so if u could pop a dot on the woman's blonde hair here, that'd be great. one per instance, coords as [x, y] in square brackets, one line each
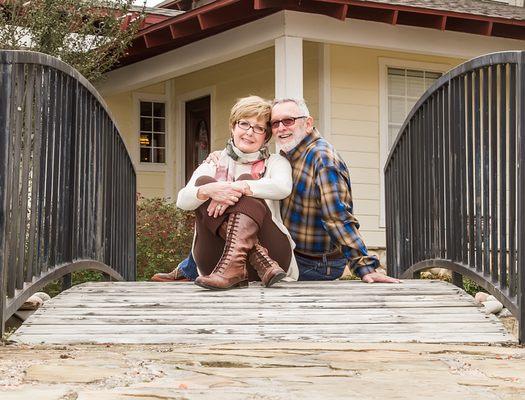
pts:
[252, 106]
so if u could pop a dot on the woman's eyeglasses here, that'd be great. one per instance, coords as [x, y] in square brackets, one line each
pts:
[286, 121]
[245, 126]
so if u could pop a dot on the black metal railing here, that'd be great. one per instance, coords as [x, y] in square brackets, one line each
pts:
[67, 184]
[455, 188]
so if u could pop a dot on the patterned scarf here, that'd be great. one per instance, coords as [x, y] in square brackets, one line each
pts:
[233, 163]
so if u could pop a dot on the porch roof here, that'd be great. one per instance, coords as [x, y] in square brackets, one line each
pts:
[163, 32]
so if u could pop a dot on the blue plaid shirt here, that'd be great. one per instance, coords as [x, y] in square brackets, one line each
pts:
[319, 211]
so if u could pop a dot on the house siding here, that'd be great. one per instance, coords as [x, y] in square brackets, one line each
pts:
[149, 183]
[355, 122]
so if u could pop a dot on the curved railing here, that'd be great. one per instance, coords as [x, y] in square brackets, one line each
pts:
[455, 192]
[67, 184]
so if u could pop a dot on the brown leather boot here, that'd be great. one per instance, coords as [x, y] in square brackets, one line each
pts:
[173, 276]
[230, 271]
[267, 268]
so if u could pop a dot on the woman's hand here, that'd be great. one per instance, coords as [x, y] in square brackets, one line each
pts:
[216, 209]
[222, 192]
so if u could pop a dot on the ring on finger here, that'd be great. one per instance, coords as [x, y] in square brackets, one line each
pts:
[219, 207]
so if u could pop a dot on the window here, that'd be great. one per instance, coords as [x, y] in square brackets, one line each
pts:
[405, 87]
[401, 84]
[152, 137]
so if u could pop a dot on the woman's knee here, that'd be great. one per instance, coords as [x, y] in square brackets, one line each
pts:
[204, 180]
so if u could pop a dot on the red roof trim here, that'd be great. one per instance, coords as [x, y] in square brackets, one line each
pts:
[167, 33]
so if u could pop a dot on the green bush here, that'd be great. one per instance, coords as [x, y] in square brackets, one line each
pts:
[164, 236]
[471, 287]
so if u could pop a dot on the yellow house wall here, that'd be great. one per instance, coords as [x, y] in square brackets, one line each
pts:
[311, 77]
[355, 125]
[122, 108]
[228, 81]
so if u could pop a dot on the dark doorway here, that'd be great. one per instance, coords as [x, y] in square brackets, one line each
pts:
[197, 133]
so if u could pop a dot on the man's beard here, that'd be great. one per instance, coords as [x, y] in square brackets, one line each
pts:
[291, 144]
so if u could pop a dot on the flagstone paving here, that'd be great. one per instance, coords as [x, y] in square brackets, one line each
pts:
[290, 370]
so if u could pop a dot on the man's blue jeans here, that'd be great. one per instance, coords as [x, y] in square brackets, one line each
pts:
[188, 267]
[320, 270]
[309, 270]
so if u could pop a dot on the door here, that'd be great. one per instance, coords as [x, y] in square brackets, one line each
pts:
[197, 133]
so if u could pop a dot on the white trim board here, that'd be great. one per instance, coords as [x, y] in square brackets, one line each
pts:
[384, 64]
[261, 34]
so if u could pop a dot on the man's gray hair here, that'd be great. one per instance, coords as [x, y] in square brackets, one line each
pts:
[299, 102]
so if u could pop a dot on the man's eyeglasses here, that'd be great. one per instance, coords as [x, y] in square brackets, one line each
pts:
[286, 121]
[245, 126]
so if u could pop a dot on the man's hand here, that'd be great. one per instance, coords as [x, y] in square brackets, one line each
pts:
[213, 157]
[244, 186]
[377, 277]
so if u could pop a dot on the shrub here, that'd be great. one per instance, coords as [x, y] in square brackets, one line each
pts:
[164, 236]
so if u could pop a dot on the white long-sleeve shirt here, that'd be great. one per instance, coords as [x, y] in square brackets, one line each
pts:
[274, 186]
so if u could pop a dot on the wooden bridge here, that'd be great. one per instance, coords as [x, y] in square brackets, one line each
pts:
[67, 202]
[343, 311]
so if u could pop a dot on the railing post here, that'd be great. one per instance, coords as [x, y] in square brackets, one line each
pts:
[66, 282]
[457, 279]
[5, 89]
[521, 195]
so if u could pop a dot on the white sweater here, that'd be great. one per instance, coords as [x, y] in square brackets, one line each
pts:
[274, 186]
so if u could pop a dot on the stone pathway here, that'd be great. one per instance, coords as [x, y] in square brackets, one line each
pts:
[291, 370]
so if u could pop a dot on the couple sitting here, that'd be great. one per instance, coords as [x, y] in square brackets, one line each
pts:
[244, 232]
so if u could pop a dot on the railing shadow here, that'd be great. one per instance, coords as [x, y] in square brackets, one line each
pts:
[455, 192]
[67, 184]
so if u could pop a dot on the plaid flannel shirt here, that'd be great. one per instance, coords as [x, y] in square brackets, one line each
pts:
[319, 211]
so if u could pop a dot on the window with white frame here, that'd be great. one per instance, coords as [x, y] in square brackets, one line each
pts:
[152, 134]
[401, 84]
[404, 88]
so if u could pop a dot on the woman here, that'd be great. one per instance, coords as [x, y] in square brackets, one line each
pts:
[239, 233]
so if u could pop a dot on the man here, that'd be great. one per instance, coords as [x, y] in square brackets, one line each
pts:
[319, 212]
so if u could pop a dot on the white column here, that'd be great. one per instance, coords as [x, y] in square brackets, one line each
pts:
[289, 67]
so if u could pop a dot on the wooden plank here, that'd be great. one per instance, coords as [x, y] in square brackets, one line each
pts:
[292, 292]
[347, 284]
[193, 339]
[225, 311]
[137, 299]
[268, 319]
[175, 330]
[255, 305]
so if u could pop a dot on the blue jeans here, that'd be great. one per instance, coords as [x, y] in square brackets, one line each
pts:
[309, 270]
[320, 270]
[188, 267]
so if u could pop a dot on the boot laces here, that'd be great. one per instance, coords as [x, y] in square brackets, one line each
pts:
[231, 232]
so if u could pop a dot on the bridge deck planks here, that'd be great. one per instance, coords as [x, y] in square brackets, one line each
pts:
[345, 311]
